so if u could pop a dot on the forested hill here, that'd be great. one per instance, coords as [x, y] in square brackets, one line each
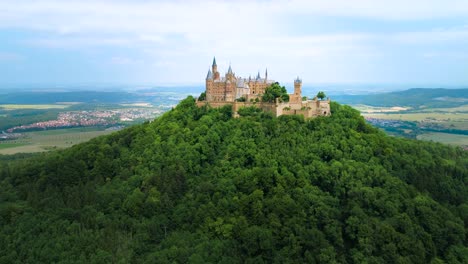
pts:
[197, 186]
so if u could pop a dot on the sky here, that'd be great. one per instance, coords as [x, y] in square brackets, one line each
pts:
[418, 42]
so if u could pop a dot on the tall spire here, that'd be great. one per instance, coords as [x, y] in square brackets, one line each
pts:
[258, 75]
[229, 70]
[214, 61]
[266, 73]
[209, 76]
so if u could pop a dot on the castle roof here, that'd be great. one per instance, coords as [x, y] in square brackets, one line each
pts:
[240, 82]
[214, 61]
[209, 76]
[298, 80]
[229, 70]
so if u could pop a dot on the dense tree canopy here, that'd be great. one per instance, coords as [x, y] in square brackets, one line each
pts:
[197, 186]
[274, 91]
[321, 95]
[202, 96]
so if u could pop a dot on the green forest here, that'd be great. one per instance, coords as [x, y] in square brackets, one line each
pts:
[198, 186]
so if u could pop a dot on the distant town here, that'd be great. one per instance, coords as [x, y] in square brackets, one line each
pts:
[86, 119]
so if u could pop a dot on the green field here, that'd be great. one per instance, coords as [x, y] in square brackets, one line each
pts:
[450, 119]
[10, 145]
[463, 108]
[65, 131]
[33, 106]
[417, 122]
[421, 116]
[50, 140]
[376, 109]
[445, 138]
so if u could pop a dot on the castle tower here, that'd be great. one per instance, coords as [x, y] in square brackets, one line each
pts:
[298, 86]
[230, 74]
[214, 67]
[209, 85]
[266, 74]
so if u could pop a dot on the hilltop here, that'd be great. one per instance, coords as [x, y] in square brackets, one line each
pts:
[197, 186]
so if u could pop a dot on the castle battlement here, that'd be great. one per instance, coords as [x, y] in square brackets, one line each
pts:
[244, 92]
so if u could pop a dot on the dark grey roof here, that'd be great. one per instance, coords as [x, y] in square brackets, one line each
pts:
[214, 61]
[240, 82]
[209, 76]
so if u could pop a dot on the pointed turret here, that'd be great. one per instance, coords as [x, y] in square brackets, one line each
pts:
[230, 69]
[258, 75]
[266, 74]
[209, 76]
[214, 69]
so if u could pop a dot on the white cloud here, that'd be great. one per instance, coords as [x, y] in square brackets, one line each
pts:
[441, 35]
[178, 36]
[204, 17]
[382, 9]
[80, 42]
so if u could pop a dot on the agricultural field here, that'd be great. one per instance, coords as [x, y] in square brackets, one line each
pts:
[446, 138]
[4, 145]
[444, 125]
[376, 109]
[50, 140]
[459, 109]
[452, 120]
[412, 116]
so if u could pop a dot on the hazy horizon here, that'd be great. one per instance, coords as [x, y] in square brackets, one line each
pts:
[195, 88]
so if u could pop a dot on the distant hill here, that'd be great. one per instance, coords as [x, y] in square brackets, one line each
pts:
[75, 96]
[168, 95]
[198, 186]
[417, 97]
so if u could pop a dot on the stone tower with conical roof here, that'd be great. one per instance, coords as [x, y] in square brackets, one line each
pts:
[214, 68]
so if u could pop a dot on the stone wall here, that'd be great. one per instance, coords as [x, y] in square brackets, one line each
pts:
[309, 109]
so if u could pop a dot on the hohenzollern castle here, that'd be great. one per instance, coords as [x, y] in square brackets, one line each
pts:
[244, 92]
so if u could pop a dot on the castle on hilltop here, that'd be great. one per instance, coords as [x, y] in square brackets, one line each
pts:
[244, 92]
